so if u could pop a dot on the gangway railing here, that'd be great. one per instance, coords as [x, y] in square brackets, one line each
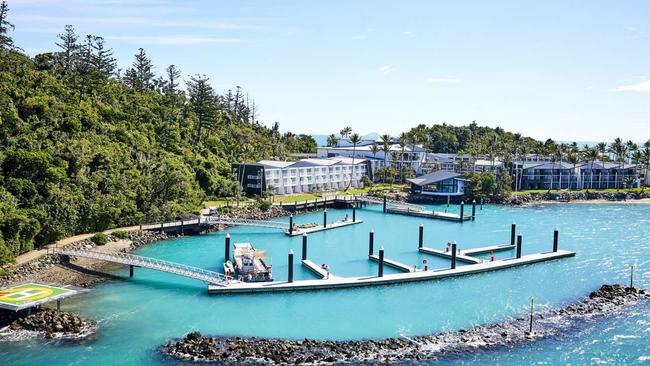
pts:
[389, 202]
[211, 277]
[217, 220]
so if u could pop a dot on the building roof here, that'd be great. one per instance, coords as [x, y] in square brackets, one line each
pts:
[558, 165]
[393, 147]
[599, 165]
[433, 177]
[337, 160]
[277, 164]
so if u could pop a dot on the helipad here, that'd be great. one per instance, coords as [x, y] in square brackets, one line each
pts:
[29, 295]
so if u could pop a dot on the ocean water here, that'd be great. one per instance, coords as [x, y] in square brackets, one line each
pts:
[138, 315]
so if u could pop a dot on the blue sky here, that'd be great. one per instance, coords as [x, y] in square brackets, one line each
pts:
[570, 70]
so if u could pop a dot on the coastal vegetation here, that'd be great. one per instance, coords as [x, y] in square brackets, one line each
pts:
[85, 147]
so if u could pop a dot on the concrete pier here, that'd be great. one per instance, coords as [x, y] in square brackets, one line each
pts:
[447, 216]
[441, 253]
[331, 225]
[394, 264]
[389, 279]
[316, 269]
[485, 250]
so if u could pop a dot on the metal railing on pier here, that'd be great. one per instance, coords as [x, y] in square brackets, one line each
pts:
[211, 277]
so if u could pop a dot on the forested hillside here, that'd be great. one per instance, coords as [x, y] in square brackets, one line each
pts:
[85, 147]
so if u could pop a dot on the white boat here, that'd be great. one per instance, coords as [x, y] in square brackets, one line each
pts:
[250, 265]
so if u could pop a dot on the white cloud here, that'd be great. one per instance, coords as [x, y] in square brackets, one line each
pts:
[642, 87]
[408, 34]
[139, 21]
[443, 81]
[171, 40]
[386, 69]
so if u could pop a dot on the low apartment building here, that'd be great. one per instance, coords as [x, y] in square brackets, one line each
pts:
[306, 175]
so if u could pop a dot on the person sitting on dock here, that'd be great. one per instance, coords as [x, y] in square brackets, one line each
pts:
[448, 247]
[326, 268]
[295, 228]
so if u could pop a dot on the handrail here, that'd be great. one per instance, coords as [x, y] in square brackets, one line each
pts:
[389, 201]
[215, 220]
[205, 275]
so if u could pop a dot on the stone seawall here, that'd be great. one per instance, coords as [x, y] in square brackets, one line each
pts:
[605, 301]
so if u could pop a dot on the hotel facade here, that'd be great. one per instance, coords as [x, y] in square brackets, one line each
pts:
[302, 176]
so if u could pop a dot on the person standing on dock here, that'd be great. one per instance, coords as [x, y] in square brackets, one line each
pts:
[425, 265]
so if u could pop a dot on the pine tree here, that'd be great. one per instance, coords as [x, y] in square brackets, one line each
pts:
[202, 101]
[173, 74]
[103, 59]
[6, 42]
[70, 48]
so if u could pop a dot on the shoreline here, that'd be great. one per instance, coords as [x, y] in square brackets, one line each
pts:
[606, 301]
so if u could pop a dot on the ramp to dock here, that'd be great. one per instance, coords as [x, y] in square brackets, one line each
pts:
[217, 220]
[212, 278]
[316, 269]
[394, 264]
[441, 253]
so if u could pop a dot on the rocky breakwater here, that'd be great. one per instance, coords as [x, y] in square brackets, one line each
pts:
[568, 196]
[142, 238]
[608, 300]
[50, 323]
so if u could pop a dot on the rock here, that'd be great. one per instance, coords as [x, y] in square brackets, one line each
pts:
[236, 350]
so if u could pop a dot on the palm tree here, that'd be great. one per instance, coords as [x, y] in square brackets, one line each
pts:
[374, 149]
[619, 149]
[345, 131]
[590, 155]
[556, 155]
[332, 140]
[354, 139]
[402, 141]
[646, 160]
[385, 148]
[573, 157]
[601, 148]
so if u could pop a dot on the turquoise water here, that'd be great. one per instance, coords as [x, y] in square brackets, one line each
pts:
[137, 315]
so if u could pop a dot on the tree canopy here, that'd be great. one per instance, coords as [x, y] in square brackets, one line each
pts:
[83, 149]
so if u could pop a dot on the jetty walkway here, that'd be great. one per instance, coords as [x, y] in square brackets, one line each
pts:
[132, 260]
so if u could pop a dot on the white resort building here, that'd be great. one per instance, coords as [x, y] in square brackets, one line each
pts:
[306, 175]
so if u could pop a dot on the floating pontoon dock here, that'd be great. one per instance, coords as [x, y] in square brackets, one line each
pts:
[447, 216]
[394, 264]
[331, 225]
[316, 269]
[448, 255]
[343, 282]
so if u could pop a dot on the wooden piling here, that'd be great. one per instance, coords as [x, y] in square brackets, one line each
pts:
[556, 235]
[371, 242]
[227, 248]
[513, 229]
[290, 268]
[354, 212]
[381, 262]
[384, 203]
[130, 270]
[304, 246]
[473, 209]
[421, 236]
[453, 255]
[462, 211]
[519, 240]
[325, 218]
[290, 224]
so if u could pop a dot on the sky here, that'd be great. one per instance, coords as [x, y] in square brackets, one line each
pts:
[568, 70]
